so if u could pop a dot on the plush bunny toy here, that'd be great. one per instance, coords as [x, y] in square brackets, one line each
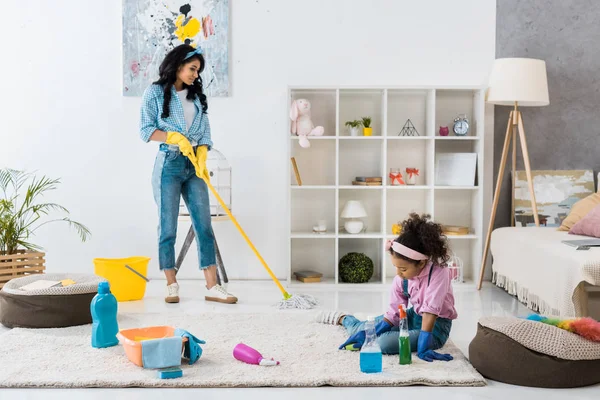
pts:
[301, 123]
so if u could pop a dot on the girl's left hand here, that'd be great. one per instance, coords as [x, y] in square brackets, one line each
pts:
[425, 349]
[357, 340]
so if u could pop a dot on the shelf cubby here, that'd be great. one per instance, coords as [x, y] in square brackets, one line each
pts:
[449, 104]
[372, 202]
[314, 255]
[358, 103]
[322, 107]
[359, 158]
[370, 247]
[400, 203]
[405, 104]
[456, 207]
[312, 206]
[404, 154]
[316, 165]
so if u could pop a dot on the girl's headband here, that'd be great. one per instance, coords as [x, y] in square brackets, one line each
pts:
[405, 251]
[195, 51]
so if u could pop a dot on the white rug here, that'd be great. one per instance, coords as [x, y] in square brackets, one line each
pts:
[307, 351]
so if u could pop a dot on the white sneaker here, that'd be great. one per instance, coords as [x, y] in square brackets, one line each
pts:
[172, 293]
[218, 294]
[329, 317]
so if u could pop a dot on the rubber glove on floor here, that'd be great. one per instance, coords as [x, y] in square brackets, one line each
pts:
[425, 346]
[192, 350]
[356, 341]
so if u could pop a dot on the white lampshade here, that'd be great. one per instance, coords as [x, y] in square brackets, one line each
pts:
[354, 209]
[518, 79]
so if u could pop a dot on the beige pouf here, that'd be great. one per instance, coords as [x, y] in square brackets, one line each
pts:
[531, 353]
[55, 307]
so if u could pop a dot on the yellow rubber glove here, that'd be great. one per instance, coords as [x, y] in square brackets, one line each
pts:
[201, 157]
[184, 145]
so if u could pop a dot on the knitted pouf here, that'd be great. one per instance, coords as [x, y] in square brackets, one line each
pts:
[531, 353]
[55, 307]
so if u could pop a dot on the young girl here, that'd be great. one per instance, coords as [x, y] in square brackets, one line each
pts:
[420, 255]
[173, 112]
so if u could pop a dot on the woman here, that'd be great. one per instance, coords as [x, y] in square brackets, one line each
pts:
[174, 113]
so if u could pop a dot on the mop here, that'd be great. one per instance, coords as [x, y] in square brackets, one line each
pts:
[301, 301]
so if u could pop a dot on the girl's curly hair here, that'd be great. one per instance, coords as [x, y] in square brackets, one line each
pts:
[425, 236]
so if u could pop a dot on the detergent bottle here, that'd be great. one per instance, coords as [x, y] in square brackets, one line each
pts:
[371, 359]
[104, 317]
[404, 350]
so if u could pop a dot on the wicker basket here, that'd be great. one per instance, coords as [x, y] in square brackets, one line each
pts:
[23, 262]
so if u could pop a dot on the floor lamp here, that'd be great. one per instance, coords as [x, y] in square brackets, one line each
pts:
[515, 82]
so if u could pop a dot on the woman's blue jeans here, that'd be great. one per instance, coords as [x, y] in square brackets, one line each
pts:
[388, 341]
[174, 177]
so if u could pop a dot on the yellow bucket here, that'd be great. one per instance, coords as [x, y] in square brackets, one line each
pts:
[125, 284]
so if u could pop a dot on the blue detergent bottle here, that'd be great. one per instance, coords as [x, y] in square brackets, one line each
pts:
[104, 317]
[371, 359]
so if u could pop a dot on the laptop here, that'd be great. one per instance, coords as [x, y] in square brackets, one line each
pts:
[582, 244]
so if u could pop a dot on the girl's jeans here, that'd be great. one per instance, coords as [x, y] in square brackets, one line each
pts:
[174, 177]
[388, 341]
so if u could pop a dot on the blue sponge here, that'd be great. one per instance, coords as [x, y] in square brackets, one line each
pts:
[170, 373]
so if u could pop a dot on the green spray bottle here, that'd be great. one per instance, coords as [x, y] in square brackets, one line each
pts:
[404, 351]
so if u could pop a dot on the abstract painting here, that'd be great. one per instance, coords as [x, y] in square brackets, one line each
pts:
[151, 28]
[555, 194]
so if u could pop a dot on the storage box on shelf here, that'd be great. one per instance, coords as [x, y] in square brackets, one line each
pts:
[329, 167]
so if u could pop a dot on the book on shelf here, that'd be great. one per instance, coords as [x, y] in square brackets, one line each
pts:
[358, 183]
[308, 276]
[455, 230]
[369, 179]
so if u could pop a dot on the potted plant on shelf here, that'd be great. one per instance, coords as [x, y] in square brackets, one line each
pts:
[367, 130]
[354, 125]
[20, 216]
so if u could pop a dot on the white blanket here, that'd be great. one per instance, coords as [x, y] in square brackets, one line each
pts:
[542, 272]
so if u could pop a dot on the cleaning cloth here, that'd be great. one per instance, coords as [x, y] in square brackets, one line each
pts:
[161, 353]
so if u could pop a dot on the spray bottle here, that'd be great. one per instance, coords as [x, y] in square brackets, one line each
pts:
[371, 359]
[404, 351]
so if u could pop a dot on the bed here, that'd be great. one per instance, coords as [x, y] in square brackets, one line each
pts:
[545, 274]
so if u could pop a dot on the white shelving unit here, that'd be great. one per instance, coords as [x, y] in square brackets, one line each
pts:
[329, 166]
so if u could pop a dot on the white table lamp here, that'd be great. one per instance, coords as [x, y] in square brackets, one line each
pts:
[353, 210]
[515, 82]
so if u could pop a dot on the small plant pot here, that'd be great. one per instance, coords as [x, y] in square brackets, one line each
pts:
[353, 131]
[368, 131]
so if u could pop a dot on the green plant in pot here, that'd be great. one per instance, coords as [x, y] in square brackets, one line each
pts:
[367, 130]
[353, 126]
[22, 214]
[355, 268]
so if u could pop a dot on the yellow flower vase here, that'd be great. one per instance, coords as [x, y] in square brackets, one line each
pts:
[368, 131]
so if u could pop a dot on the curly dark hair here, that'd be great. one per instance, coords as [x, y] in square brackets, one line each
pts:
[168, 75]
[425, 236]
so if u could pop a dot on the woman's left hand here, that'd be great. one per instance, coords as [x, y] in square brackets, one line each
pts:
[201, 157]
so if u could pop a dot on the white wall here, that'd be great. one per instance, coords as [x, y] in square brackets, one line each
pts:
[63, 113]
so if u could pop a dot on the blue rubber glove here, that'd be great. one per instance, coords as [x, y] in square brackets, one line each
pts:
[356, 341]
[425, 349]
[192, 350]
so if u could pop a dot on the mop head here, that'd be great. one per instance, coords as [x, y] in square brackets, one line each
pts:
[301, 301]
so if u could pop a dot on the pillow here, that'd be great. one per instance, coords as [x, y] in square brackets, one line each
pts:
[588, 225]
[579, 210]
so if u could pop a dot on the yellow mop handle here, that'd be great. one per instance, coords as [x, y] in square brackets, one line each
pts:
[286, 295]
